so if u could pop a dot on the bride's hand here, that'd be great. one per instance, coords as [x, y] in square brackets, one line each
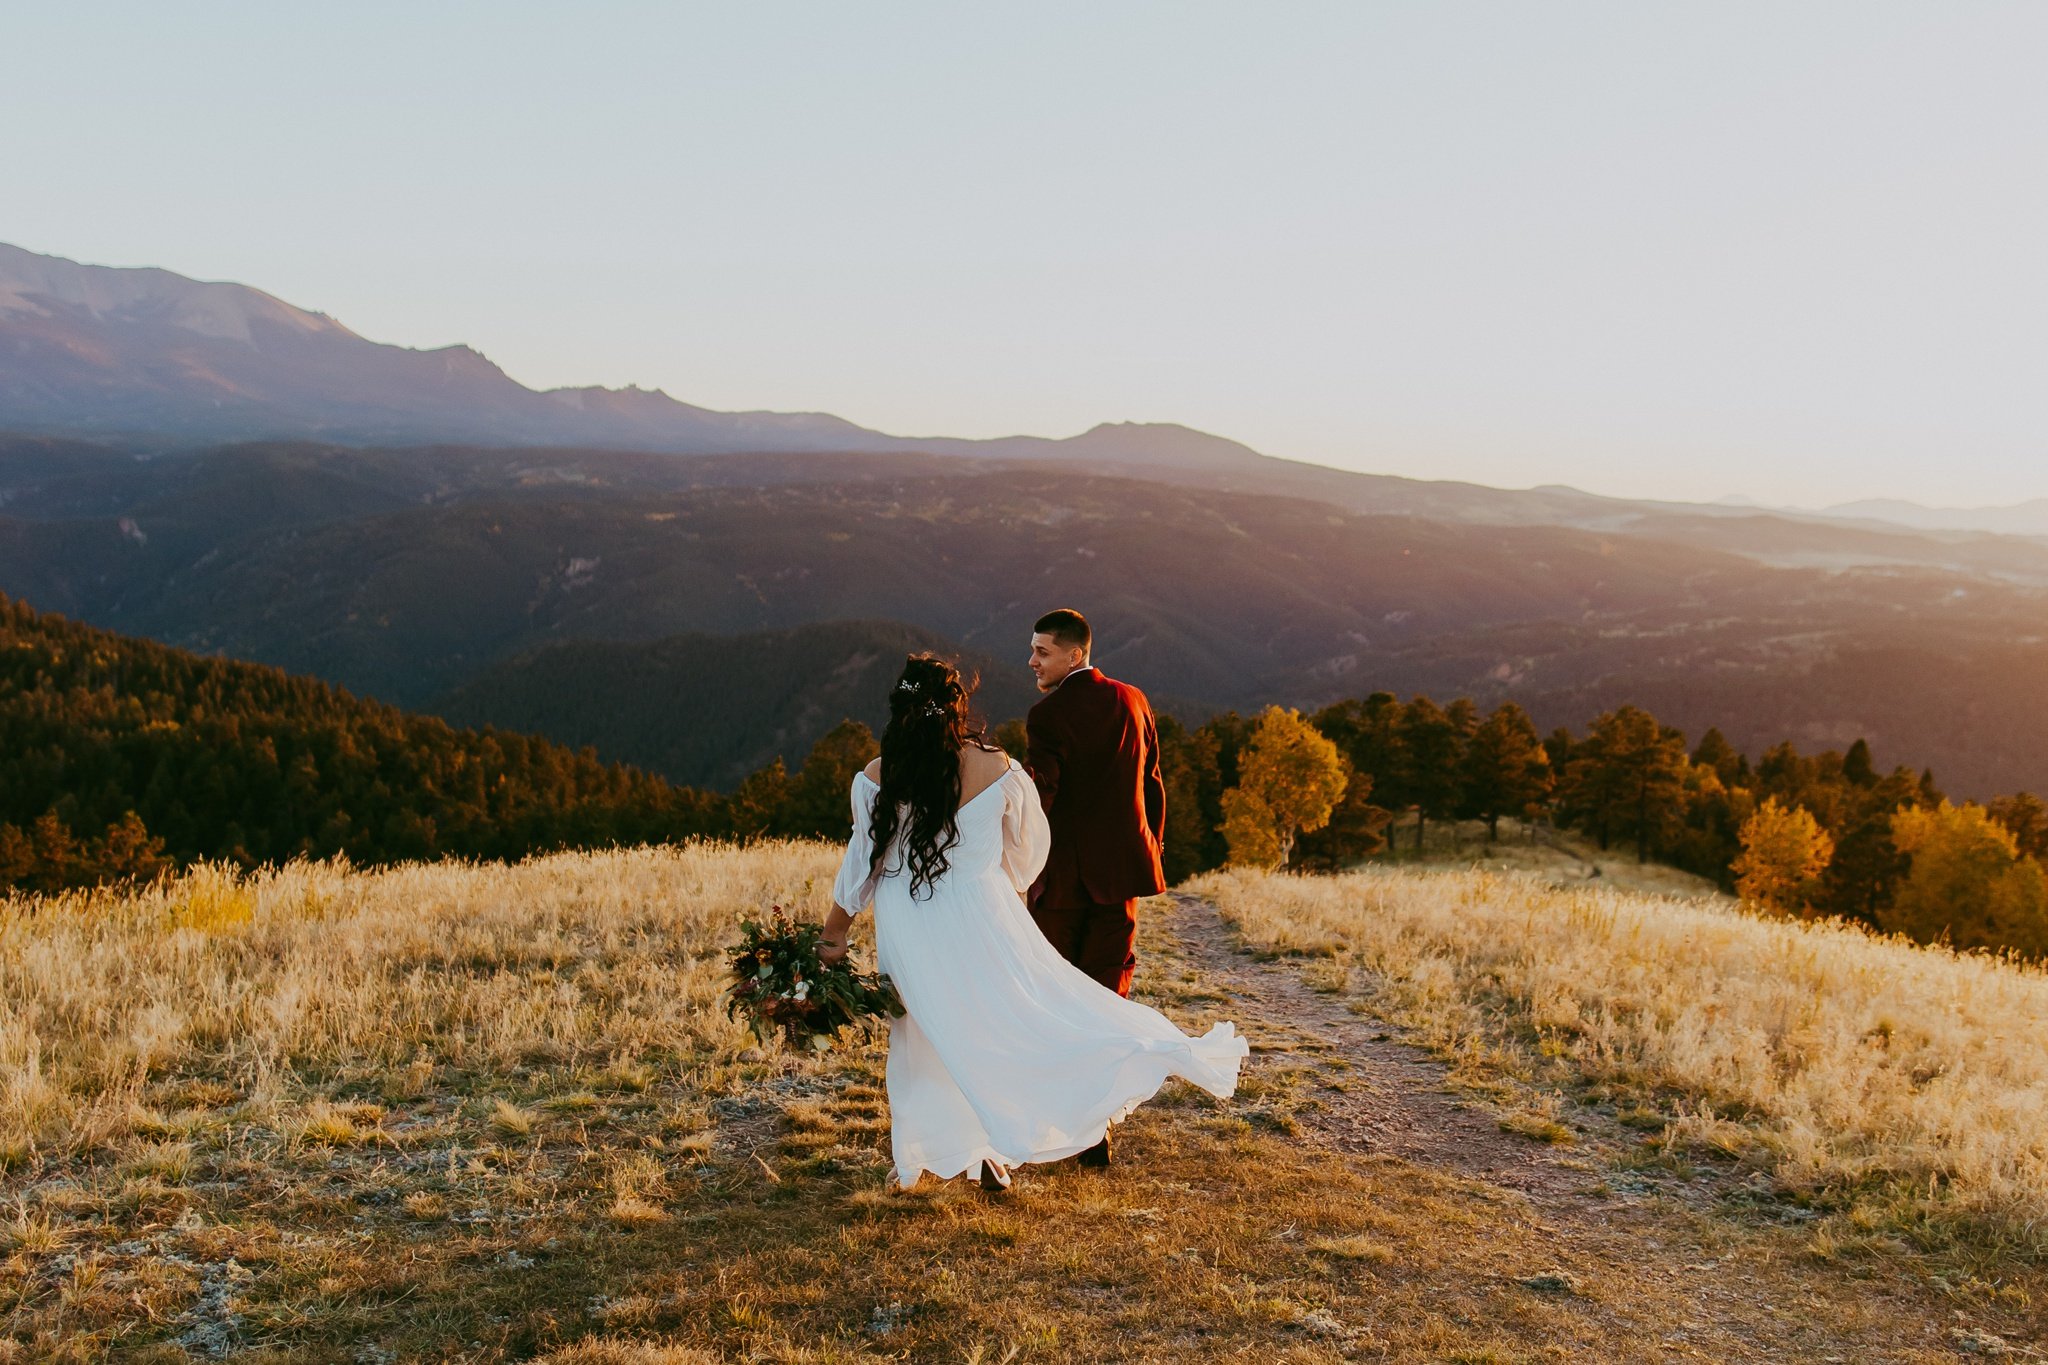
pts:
[834, 936]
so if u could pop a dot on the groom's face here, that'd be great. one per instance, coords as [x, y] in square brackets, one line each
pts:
[1051, 661]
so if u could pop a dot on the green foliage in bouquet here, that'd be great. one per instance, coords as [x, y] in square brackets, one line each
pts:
[782, 987]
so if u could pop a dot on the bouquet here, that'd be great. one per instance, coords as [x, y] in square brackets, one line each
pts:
[780, 984]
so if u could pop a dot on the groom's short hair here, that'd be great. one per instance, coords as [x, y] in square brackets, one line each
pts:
[1066, 626]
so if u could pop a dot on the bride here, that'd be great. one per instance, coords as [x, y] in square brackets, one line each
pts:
[1007, 1052]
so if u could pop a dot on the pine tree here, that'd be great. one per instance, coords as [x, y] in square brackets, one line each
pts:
[1716, 752]
[1868, 866]
[818, 802]
[1194, 792]
[1591, 789]
[760, 808]
[1709, 838]
[1356, 831]
[2026, 819]
[57, 854]
[1856, 765]
[1506, 768]
[17, 857]
[1629, 774]
[128, 851]
[1560, 745]
[1368, 732]
[1233, 734]
[1433, 750]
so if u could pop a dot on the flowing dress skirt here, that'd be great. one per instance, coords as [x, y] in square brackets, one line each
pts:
[1007, 1050]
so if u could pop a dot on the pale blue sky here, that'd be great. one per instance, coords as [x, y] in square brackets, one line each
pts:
[1798, 252]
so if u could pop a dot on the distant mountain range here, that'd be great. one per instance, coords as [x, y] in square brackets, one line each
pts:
[2020, 519]
[419, 527]
[148, 356]
[151, 360]
[2017, 519]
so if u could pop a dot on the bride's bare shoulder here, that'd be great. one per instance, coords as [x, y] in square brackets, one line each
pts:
[980, 766]
[874, 771]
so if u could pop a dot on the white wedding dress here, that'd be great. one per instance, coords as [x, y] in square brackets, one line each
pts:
[1007, 1050]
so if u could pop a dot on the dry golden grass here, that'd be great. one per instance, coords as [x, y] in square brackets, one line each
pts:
[494, 1113]
[1905, 1085]
[242, 987]
[168, 1053]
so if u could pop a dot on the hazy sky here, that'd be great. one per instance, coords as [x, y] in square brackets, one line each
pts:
[1798, 252]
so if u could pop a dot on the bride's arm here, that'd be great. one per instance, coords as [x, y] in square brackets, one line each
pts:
[832, 945]
[853, 887]
[1027, 834]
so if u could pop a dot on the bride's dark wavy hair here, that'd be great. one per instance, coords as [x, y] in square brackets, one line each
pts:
[929, 724]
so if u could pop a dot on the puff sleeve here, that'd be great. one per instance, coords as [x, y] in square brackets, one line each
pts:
[1027, 837]
[854, 887]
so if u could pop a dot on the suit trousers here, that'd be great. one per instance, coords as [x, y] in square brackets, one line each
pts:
[1099, 938]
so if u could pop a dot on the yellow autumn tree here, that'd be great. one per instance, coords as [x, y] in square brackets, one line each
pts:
[1968, 882]
[1290, 777]
[1784, 853]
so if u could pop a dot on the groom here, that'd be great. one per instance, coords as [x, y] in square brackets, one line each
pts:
[1092, 747]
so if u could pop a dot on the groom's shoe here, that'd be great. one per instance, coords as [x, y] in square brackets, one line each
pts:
[1098, 1155]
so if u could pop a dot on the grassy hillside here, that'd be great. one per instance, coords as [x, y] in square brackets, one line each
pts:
[490, 1112]
[1900, 1090]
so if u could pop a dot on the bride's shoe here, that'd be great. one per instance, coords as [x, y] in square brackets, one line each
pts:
[992, 1182]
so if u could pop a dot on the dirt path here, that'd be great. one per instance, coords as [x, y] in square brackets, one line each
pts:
[1700, 1264]
[1397, 1104]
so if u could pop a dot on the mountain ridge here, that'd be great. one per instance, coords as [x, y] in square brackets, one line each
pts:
[154, 360]
[2028, 518]
[137, 353]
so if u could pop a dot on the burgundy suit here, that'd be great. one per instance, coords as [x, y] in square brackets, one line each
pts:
[1092, 747]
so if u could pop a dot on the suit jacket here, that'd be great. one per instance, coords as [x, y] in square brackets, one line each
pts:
[1092, 747]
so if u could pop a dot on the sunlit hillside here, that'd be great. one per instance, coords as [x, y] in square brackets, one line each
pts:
[1904, 1086]
[491, 1112]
